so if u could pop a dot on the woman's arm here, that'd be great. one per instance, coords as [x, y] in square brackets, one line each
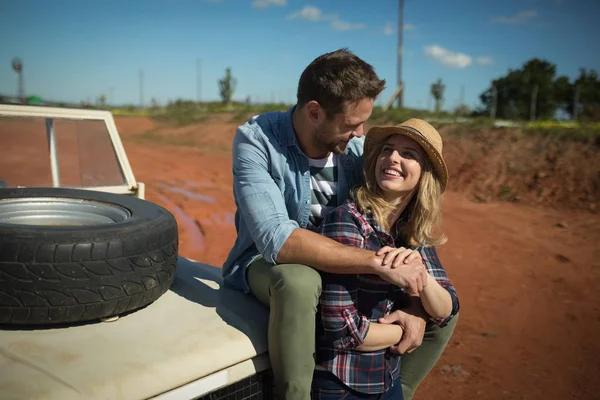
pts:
[381, 336]
[437, 272]
[435, 299]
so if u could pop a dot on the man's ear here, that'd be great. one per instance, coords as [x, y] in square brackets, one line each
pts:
[314, 112]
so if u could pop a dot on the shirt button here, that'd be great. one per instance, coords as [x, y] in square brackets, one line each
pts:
[307, 201]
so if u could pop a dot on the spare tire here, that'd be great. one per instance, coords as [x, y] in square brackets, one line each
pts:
[70, 255]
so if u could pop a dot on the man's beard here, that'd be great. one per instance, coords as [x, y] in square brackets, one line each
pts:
[336, 147]
[339, 147]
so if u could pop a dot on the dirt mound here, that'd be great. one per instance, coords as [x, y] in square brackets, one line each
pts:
[505, 165]
[134, 125]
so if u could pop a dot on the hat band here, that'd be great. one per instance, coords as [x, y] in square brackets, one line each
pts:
[414, 130]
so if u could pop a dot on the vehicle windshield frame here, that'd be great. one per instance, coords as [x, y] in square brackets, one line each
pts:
[130, 185]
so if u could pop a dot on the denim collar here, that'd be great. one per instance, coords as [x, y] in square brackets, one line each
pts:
[287, 136]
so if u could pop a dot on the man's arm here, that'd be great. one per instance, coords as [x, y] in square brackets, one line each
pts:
[327, 255]
[278, 238]
[259, 199]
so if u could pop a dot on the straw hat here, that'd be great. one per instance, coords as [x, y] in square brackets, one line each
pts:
[421, 132]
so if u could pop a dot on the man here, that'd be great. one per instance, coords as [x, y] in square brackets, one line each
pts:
[289, 169]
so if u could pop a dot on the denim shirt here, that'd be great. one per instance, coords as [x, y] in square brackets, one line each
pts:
[271, 189]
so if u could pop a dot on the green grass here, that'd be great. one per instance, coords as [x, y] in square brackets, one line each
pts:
[180, 117]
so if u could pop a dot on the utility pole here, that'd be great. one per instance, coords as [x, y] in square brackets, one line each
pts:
[400, 51]
[534, 94]
[494, 102]
[576, 102]
[462, 95]
[198, 80]
[141, 89]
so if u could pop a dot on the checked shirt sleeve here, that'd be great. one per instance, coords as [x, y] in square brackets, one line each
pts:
[435, 269]
[342, 323]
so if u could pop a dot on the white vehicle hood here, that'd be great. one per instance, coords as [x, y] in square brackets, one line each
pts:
[194, 330]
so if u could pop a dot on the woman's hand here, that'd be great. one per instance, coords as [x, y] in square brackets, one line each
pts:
[394, 257]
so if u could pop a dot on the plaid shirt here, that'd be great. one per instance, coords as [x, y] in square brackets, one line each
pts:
[349, 303]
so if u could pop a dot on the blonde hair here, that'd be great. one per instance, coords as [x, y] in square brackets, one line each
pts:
[423, 212]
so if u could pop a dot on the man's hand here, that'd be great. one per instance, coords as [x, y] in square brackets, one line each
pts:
[414, 330]
[411, 276]
[394, 257]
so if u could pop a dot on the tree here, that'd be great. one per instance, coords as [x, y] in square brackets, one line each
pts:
[437, 91]
[515, 89]
[227, 87]
[462, 110]
[588, 101]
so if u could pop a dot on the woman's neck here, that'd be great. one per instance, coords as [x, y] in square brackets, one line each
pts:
[393, 215]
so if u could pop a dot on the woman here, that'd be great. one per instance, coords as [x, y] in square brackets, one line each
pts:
[397, 206]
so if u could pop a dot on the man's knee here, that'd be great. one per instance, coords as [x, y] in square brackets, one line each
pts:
[296, 282]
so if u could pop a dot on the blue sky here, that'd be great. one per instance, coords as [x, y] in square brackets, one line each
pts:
[76, 50]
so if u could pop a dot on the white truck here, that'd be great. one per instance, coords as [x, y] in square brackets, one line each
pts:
[95, 300]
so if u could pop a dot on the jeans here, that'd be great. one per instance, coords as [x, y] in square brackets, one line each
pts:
[326, 386]
[292, 292]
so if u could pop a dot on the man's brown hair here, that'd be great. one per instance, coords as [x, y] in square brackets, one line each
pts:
[335, 78]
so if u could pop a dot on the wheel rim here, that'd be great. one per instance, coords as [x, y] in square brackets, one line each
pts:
[49, 211]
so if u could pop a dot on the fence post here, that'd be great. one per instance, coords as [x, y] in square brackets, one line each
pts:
[534, 94]
[576, 103]
[494, 102]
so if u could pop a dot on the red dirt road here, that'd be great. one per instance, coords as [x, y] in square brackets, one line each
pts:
[527, 278]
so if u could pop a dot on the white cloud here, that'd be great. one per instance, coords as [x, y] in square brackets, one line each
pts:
[447, 57]
[311, 13]
[388, 29]
[484, 60]
[340, 25]
[268, 3]
[314, 14]
[519, 18]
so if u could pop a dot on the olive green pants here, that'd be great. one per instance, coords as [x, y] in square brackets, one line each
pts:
[292, 292]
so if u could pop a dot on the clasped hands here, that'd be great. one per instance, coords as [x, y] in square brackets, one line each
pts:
[405, 268]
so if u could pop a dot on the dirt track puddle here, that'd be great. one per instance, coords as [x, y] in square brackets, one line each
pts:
[195, 234]
[223, 219]
[187, 193]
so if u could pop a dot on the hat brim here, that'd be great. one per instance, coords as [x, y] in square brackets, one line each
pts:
[379, 134]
